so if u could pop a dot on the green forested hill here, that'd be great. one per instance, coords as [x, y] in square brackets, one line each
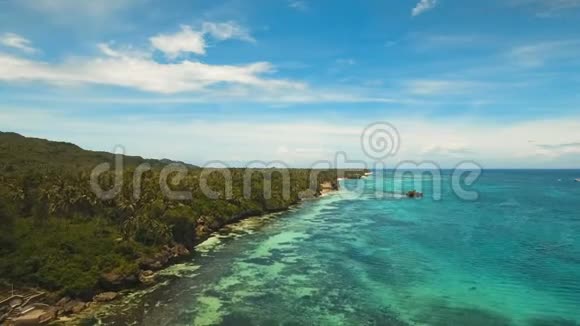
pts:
[24, 153]
[56, 234]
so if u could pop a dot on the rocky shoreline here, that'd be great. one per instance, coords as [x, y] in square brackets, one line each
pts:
[35, 307]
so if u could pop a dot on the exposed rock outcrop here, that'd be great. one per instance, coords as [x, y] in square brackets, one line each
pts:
[72, 307]
[414, 194]
[105, 296]
[34, 315]
[327, 187]
[115, 282]
[307, 194]
[147, 277]
[163, 258]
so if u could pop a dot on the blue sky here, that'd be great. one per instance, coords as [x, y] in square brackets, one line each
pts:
[496, 82]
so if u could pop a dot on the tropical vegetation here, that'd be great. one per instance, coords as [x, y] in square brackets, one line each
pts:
[57, 234]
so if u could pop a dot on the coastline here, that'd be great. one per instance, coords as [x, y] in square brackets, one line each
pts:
[230, 231]
[308, 234]
[47, 307]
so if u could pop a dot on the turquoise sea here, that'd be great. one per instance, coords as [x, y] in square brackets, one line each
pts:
[511, 257]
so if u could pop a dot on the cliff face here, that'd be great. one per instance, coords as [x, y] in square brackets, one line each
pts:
[328, 186]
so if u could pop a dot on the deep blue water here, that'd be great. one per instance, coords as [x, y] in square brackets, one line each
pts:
[511, 257]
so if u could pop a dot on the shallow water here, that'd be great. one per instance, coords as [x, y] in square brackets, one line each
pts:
[512, 257]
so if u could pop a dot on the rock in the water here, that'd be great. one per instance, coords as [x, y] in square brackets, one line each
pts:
[414, 194]
[73, 307]
[327, 187]
[105, 296]
[163, 258]
[147, 277]
[180, 250]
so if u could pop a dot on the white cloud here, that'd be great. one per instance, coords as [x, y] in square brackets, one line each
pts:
[227, 30]
[298, 5]
[547, 8]
[450, 149]
[138, 70]
[134, 68]
[185, 41]
[127, 52]
[282, 150]
[143, 73]
[18, 42]
[423, 6]
[537, 54]
[562, 146]
[440, 87]
[447, 143]
[558, 150]
[279, 97]
[188, 40]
